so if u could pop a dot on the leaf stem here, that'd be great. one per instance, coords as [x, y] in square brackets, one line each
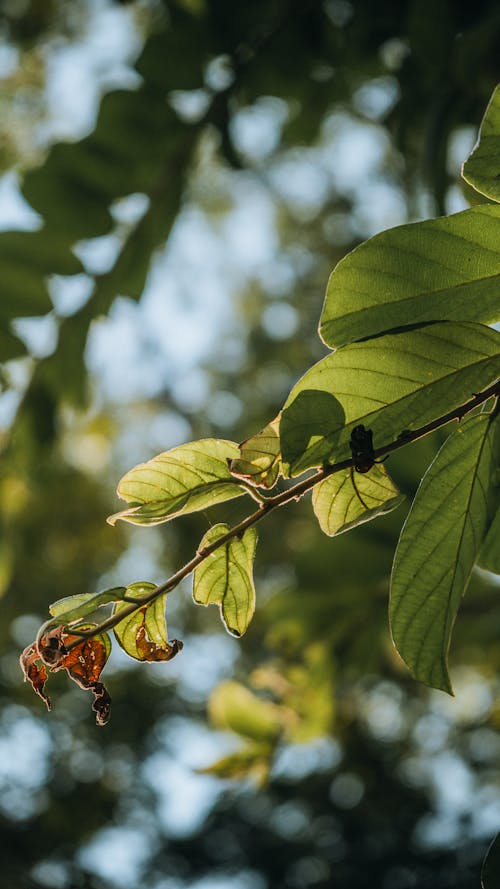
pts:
[295, 492]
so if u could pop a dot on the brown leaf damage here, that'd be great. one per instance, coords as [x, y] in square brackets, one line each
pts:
[83, 662]
[35, 672]
[151, 651]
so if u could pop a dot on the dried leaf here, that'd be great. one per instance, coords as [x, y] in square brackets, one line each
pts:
[84, 665]
[151, 651]
[83, 662]
[35, 672]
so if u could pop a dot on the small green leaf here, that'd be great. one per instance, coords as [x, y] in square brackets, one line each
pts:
[490, 871]
[482, 167]
[345, 499]
[143, 634]
[253, 762]
[389, 384]
[438, 546]
[73, 608]
[225, 577]
[260, 457]
[234, 707]
[186, 479]
[440, 269]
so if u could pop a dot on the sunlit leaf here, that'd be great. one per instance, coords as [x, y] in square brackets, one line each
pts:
[347, 499]
[390, 384]
[225, 577]
[234, 707]
[260, 457]
[490, 871]
[73, 608]
[438, 546]
[440, 269]
[482, 167]
[186, 479]
[143, 634]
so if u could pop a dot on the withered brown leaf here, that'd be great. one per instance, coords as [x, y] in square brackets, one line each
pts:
[83, 663]
[35, 672]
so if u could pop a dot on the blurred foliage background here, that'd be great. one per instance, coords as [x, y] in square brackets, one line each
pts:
[179, 177]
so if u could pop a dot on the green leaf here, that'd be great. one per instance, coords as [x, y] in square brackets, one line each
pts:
[143, 634]
[260, 457]
[438, 546]
[490, 871]
[234, 707]
[67, 204]
[186, 479]
[42, 250]
[26, 260]
[347, 499]
[440, 269]
[73, 608]
[482, 167]
[489, 557]
[253, 762]
[10, 346]
[173, 59]
[24, 291]
[225, 578]
[390, 384]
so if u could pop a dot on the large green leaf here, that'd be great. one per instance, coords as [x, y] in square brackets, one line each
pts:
[440, 269]
[391, 383]
[482, 167]
[225, 578]
[438, 547]
[186, 479]
[348, 498]
[259, 461]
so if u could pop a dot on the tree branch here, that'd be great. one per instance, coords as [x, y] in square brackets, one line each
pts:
[295, 492]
